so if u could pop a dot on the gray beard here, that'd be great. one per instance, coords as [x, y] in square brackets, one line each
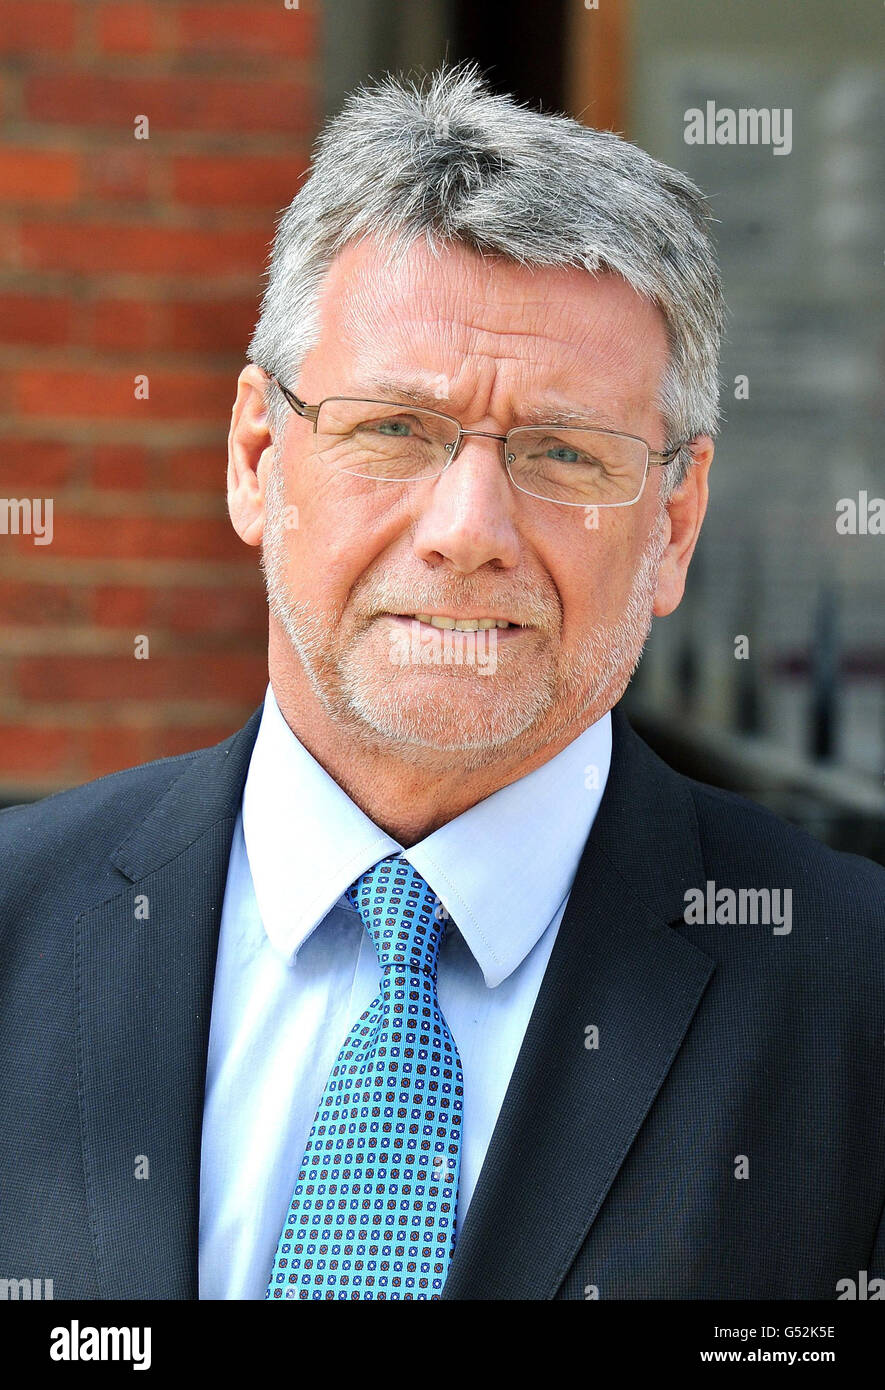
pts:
[592, 679]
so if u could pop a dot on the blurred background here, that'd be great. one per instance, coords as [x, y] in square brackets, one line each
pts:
[148, 147]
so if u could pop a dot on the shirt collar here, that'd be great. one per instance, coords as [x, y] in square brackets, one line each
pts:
[501, 869]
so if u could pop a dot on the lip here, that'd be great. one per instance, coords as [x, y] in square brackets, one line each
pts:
[499, 617]
[501, 633]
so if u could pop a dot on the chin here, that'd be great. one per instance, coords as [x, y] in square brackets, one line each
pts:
[456, 713]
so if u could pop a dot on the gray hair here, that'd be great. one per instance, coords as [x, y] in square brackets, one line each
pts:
[451, 161]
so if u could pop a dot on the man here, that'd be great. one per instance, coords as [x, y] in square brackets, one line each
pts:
[396, 993]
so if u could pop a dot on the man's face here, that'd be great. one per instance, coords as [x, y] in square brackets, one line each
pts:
[349, 559]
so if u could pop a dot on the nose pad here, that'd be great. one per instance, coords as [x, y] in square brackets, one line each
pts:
[455, 448]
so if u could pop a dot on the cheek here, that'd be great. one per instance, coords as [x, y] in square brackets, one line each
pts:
[334, 531]
[594, 573]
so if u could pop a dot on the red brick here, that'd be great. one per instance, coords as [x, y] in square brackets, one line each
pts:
[38, 25]
[109, 247]
[192, 469]
[123, 175]
[133, 28]
[131, 607]
[237, 180]
[189, 102]
[213, 613]
[110, 395]
[109, 748]
[239, 29]
[229, 676]
[10, 244]
[171, 741]
[39, 605]
[119, 466]
[23, 545]
[45, 463]
[35, 750]
[38, 176]
[216, 325]
[100, 204]
[37, 319]
[123, 324]
[81, 535]
[240, 611]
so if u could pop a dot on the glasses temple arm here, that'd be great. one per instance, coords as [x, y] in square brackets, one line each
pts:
[669, 457]
[309, 412]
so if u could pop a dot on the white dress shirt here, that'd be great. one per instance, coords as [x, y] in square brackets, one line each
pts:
[296, 967]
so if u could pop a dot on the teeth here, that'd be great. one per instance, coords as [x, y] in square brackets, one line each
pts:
[461, 624]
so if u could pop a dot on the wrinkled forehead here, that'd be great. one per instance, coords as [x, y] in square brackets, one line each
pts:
[367, 282]
[457, 311]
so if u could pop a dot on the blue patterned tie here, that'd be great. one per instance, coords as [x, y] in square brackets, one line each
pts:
[374, 1208]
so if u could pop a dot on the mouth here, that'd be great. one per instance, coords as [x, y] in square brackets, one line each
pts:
[451, 622]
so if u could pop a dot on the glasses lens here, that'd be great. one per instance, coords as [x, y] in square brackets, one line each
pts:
[380, 440]
[581, 467]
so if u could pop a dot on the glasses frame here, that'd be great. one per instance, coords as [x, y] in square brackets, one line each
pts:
[652, 456]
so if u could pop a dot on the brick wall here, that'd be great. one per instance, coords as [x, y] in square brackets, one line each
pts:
[123, 258]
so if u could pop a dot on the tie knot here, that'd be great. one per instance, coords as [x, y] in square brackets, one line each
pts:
[401, 913]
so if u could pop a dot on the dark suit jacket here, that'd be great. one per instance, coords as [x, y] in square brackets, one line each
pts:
[721, 1049]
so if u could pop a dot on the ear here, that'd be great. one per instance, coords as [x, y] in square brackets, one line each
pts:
[685, 509]
[249, 453]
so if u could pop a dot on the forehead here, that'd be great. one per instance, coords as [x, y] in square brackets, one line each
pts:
[470, 318]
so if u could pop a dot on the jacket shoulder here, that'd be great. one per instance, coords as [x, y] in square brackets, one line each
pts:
[63, 840]
[759, 848]
[84, 846]
[114, 798]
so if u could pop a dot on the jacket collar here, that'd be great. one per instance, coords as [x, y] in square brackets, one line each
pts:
[208, 789]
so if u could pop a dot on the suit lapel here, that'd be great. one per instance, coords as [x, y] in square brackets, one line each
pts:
[571, 1113]
[145, 974]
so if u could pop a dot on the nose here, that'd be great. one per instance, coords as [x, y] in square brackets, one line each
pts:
[468, 513]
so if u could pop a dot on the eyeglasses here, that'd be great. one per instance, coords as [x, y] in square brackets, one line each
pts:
[574, 466]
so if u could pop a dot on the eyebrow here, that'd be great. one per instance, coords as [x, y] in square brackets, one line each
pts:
[396, 391]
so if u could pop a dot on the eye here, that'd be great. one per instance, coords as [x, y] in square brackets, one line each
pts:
[394, 427]
[558, 451]
[564, 453]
